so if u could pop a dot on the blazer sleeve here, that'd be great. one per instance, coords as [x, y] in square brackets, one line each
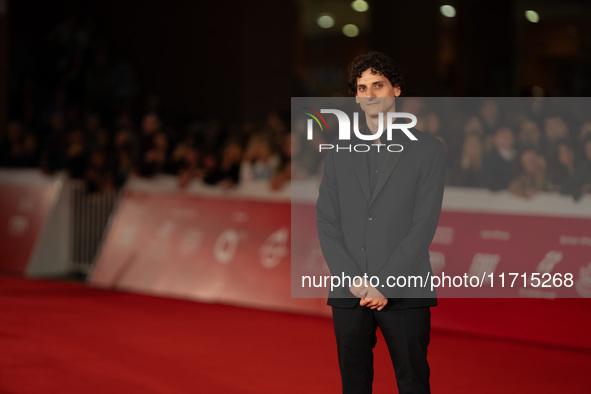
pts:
[415, 246]
[328, 224]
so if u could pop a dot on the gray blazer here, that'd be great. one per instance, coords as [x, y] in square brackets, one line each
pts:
[387, 232]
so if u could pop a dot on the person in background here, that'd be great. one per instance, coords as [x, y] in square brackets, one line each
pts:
[18, 148]
[429, 123]
[189, 165]
[532, 177]
[555, 130]
[529, 135]
[561, 169]
[489, 114]
[282, 174]
[582, 176]
[30, 153]
[149, 127]
[275, 129]
[97, 136]
[155, 160]
[585, 131]
[306, 162]
[473, 126]
[498, 166]
[55, 143]
[468, 171]
[259, 162]
[227, 172]
[124, 150]
[76, 154]
[98, 177]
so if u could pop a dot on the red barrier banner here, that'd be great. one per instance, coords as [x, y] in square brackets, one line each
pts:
[239, 250]
[25, 201]
[476, 255]
[519, 256]
[208, 248]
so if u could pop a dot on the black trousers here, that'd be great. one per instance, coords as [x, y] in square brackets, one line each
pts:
[407, 335]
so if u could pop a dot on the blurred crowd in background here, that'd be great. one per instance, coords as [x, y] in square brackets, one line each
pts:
[78, 107]
[524, 145]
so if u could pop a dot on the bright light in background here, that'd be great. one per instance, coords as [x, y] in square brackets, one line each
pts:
[350, 30]
[532, 16]
[447, 11]
[325, 21]
[360, 5]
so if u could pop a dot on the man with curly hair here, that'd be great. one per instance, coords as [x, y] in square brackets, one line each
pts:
[377, 212]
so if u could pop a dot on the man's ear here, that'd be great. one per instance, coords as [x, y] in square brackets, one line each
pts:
[397, 90]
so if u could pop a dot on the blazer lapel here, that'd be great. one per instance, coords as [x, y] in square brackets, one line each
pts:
[389, 164]
[362, 170]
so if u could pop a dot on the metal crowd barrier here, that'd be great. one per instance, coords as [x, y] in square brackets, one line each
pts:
[90, 213]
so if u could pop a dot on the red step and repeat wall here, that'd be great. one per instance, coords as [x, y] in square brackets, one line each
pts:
[234, 247]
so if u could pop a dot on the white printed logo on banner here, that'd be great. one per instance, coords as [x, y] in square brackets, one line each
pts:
[437, 262]
[166, 229]
[314, 261]
[443, 235]
[583, 285]
[240, 217]
[547, 264]
[225, 246]
[18, 225]
[495, 234]
[274, 248]
[190, 242]
[568, 240]
[185, 213]
[484, 264]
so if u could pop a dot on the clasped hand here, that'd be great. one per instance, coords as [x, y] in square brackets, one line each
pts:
[370, 296]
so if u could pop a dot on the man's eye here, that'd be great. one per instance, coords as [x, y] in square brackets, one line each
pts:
[378, 85]
[361, 88]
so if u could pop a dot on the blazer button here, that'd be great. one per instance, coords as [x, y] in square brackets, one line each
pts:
[370, 218]
[362, 247]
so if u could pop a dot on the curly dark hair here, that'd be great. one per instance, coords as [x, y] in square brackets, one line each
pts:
[379, 63]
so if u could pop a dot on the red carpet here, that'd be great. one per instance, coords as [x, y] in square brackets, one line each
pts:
[60, 337]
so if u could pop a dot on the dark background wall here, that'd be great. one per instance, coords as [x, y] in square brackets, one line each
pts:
[214, 59]
[209, 58]
[238, 60]
[3, 60]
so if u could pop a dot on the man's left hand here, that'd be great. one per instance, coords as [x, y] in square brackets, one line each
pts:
[374, 299]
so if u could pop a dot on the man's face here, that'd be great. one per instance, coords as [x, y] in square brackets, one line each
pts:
[375, 93]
